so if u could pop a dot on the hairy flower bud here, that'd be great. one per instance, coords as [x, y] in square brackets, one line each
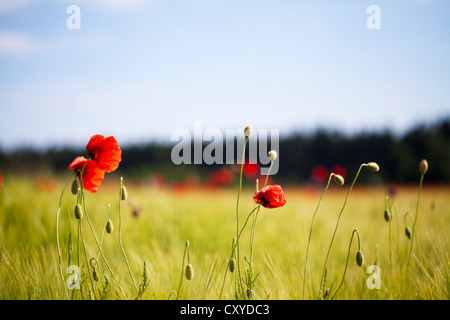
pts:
[248, 131]
[359, 258]
[124, 193]
[387, 215]
[338, 179]
[372, 166]
[272, 155]
[109, 226]
[423, 166]
[78, 212]
[408, 232]
[189, 272]
[232, 265]
[75, 186]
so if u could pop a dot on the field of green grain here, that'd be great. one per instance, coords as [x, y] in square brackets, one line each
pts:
[156, 223]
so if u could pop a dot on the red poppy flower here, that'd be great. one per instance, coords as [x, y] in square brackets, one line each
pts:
[92, 174]
[105, 151]
[1, 178]
[270, 197]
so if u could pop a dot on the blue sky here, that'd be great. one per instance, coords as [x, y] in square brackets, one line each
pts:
[139, 70]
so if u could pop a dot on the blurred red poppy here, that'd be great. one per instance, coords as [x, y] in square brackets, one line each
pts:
[92, 174]
[1, 178]
[105, 151]
[270, 197]
[339, 170]
[221, 177]
[319, 174]
[250, 170]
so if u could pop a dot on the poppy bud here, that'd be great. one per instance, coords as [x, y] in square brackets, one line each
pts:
[95, 276]
[248, 131]
[232, 265]
[372, 166]
[189, 272]
[359, 258]
[338, 179]
[408, 232]
[326, 292]
[78, 212]
[124, 193]
[75, 186]
[387, 215]
[423, 166]
[109, 226]
[272, 155]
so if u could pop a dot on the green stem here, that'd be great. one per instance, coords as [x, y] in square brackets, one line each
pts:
[87, 261]
[389, 208]
[348, 255]
[237, 217]
[186, 248]
[120, 235]
[57, 236]
[310, 232]
[252, 237]
[95, 238]
[415, 219]
[78, 256]
[336, 227]
[235, 249]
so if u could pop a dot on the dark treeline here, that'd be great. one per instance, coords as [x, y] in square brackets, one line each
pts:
[398, 156]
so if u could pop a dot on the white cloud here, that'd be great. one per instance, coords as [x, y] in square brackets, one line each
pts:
[15, 43]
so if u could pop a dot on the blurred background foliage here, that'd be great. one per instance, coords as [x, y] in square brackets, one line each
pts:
[304, 158]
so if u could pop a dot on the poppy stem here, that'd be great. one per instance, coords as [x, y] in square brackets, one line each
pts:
[336, 227]
[93, 233]
[237, 217]
[186, 248]
[57, 235]
[234, 248]
[310, 232]
[415, 219]
[87, 261]
[268, 173]
[348, 255]
[252, 237]
[101, 241]
[120, 234]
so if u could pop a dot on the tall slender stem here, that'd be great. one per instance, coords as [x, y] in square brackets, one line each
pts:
[186, 248]
[235, 248]
[87, 261]
[337, 224]
[120, 234]
[415, 219]
[93, 233]
[57, 236]
[237, 217]
[310, 232]
[348, 255]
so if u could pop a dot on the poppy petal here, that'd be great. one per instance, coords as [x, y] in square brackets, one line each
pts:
[92, 174]
[271, 196]
[105, 151]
